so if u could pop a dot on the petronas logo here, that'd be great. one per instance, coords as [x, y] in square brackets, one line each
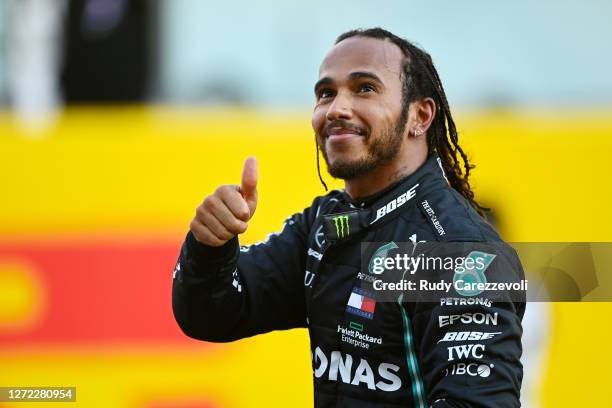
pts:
[342, 226]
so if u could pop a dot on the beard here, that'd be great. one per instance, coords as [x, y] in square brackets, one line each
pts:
[380, 150]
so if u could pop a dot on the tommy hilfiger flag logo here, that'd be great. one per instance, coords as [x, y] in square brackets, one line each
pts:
[361, 303]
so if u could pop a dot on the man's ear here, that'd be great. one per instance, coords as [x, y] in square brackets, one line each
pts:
[421, 114]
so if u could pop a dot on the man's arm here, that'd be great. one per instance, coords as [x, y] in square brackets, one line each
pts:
[470, 354]
[222, 293]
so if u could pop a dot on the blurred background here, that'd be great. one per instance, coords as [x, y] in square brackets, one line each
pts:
[117, 117]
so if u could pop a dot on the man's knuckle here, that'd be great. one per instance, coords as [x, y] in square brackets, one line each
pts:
[201, 210]
[207, 237]
[222, 190]
[239, 226]
[216, 241]
[212, 204]
[244, 213]
[205, 204]
[233, 224]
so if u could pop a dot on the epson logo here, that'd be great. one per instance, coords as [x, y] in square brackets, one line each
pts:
[467, 336]
[395, 203]
[467, 318]
[466, 351]
[340, 364]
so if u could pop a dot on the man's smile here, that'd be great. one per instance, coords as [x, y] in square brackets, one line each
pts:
[340, 134]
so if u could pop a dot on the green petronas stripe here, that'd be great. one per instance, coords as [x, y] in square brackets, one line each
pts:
[413, 365]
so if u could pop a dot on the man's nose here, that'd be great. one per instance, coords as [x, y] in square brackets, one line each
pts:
[340, 108]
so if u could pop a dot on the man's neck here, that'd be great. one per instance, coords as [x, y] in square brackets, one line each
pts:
[383, 176]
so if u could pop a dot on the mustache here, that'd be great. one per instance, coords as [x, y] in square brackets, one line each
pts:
[345, 125]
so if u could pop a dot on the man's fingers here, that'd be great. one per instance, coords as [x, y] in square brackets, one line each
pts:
[215, 226]
[231, 197]
[215, 211]
[204, 235]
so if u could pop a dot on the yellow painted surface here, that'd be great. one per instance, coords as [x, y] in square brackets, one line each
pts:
[21, 298]
[269, 370]
[125, 172]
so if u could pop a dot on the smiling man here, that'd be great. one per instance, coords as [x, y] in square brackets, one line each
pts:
[360, 120]
[383, 125]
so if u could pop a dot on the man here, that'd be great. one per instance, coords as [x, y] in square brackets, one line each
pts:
[383, 125]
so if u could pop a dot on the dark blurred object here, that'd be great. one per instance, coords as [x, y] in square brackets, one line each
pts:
[108, 50]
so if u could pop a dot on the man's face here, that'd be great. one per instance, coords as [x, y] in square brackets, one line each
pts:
[358, 118]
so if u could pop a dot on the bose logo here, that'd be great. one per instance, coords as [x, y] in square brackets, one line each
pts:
[395, 203]
[467, 335]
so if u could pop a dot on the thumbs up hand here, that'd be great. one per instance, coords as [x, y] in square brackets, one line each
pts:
[225, 213]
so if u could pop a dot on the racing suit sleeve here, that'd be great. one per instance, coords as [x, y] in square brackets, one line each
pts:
[470, 345]
[226, 293]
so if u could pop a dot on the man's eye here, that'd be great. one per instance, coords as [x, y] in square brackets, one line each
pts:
[325, 93]
[366, 88]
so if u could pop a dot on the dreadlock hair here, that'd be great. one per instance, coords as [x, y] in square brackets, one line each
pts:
[421, 80]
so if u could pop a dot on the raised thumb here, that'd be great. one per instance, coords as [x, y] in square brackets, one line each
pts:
[248, 185]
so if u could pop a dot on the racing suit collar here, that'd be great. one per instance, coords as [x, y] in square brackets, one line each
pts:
[384, 206]
[429, 174]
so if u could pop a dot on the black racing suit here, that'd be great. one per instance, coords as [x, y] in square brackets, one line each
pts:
[460, 351]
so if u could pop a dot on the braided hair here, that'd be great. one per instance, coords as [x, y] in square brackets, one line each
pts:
[421, 80]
